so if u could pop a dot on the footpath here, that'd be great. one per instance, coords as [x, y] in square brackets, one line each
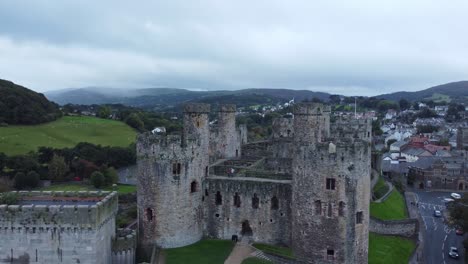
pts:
[418, 256]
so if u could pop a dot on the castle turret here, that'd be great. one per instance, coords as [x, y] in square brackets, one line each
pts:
[308, 118]
[171, 170]
[330, 194]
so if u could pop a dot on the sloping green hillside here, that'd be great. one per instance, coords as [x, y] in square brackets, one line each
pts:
[65, 132]
[21, 106]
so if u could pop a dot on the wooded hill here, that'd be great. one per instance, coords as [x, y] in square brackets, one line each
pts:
[19, 105]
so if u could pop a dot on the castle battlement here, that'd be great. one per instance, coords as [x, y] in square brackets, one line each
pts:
[160, 146]
[67, 210]
[196, 108]
[308, 109]
[227, 108]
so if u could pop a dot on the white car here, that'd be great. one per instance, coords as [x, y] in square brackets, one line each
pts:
[455, 195]
[448, 200]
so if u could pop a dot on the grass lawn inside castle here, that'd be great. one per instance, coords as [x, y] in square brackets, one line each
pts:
[208, 251]
[65, 132]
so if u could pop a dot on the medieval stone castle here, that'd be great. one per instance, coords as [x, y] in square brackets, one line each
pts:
[307, 187]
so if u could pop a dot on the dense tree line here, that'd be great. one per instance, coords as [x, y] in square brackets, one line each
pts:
[79, 162]
[19, 105]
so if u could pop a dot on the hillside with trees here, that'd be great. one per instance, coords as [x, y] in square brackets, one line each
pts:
[21, 106]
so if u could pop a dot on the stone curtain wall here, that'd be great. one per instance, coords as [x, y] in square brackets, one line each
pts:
[58, 233]
[268, 224]
[406, 228]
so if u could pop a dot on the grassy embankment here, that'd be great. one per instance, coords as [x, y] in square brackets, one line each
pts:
[208, 251]
[393, 208]
[389, 249]
[380, 188]
[65, 132]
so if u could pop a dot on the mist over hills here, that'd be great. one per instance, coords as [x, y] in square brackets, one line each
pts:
[160, 98]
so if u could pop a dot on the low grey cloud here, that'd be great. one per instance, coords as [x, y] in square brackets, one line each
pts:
[351, 47]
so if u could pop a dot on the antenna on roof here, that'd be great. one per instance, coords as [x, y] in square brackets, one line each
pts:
[355, 106]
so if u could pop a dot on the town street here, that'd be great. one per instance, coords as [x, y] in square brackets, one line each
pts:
[438, 238]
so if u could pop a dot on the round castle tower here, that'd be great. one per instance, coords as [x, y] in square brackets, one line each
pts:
[331, 192]
[225, 143]
[171, 170]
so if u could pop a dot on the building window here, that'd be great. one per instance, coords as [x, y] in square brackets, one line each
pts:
[207, 193]
[219, 198]
[193, 187]
[255, 201]
[318, 207]
[206, 171]
[274, 203]
[149, 214]
[176, 168]
[341, 209]
[331, 184]
[359, 218]
[330, 254]
[237, 200]
[330, 210]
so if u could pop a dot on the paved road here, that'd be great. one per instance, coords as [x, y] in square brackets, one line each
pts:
[438, 238]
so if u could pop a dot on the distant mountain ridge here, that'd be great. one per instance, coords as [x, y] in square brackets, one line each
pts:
[454, 90]
[161, 98]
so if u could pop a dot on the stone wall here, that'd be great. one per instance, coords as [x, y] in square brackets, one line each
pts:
[124, 247]
[58, 233]
[268, 223]
[407, 227]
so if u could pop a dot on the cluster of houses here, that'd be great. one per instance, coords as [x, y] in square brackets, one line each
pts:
[437, 160]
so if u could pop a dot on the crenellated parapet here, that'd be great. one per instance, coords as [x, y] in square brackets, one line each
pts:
[38, 211]
[165, 147]
[352, 128]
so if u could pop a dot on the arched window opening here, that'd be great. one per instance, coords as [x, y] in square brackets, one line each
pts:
[341, 209]
[193, 187]
[274, 203]
[176, 168]
[207, 193]
[149, 214]
[237, 200]
[206, 171]
[255, 201]
[219, 198]
[318, 207]
[237, 153]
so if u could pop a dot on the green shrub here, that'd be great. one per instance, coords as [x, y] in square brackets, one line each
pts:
[8, 198]
[97, 179]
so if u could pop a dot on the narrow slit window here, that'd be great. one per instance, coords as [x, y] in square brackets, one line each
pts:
[219, 198]
[274, 203]
[359, 217]
[318, 207]
[330, 210]
[149, 214]
[237, 200]
[193, 187]
[255, 201]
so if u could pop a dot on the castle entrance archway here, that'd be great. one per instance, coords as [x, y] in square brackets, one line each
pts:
[246, 229]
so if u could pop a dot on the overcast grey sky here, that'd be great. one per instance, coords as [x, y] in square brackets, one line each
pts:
[347, 47]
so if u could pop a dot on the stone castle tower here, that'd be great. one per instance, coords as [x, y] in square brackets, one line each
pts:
[308, 186]
[171, 172]
[330, 190]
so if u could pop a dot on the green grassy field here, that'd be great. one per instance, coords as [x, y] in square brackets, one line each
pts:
[275, 250]
[389, 249]
[207, 251]
[121, 188]
[65, 132]
[437, 97]
[253, 260]
[393, 208]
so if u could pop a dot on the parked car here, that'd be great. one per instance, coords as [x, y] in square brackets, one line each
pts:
[455, 195]
[459, 232]
[437, 213]
[448, 200]
[453, 253]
